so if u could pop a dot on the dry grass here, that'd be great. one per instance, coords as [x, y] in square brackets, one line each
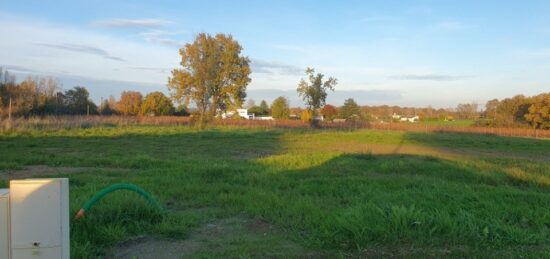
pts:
[69, 122]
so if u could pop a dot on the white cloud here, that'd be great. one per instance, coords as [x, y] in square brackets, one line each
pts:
[81, 48]
[132, 23]
[161, 37]
[274, 68]
[59, 49]
[428, 77]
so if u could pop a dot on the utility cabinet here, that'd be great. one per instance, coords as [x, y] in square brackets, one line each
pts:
[39, 216]
[4, 223]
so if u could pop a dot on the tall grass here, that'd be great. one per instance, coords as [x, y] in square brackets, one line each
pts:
[75, 122]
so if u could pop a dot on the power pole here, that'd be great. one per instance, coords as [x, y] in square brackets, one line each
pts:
[88, 110]
[9, 111]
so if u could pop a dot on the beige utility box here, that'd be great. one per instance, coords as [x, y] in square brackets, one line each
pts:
[4, 224]
[39, 216]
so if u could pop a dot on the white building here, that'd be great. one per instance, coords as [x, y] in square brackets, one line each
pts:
[405, 118]
[243, 113]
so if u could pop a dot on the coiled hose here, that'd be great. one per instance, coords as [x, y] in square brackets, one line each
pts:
[115, 187]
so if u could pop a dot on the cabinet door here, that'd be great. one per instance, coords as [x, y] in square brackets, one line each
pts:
[39, 253]
[35, 214]
[4, 226]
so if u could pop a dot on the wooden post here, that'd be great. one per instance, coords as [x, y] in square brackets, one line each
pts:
[9, 110]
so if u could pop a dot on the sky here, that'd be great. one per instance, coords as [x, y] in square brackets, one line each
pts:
[409, 53]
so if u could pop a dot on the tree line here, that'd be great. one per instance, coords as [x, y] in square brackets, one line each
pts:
[40, 96]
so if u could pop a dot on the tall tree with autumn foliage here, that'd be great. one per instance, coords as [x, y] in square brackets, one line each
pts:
[279, 108]
[214, 75]
[129, 103]
[314, 92]
[329, 111]
[156, 103]
[539, 112]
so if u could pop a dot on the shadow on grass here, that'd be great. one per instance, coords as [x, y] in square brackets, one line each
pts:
[402, 205]
[136, 149]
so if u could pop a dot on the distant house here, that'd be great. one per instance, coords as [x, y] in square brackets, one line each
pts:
[405, 118]
[410, 118]
[395, 116]
[243, 113]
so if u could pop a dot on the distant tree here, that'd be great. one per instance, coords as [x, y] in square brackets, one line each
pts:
[257, 111]
[512, 111]
[156, 103]
[105, 108]
[539, 112]
[491, 109]
[468, 111]
[314, 92]
[264, 107]
[279, 108]
[214, 75]
[77, 101]
[182, 110]
[129, 103]
[329, 111]
[350, 110]
[307, 115]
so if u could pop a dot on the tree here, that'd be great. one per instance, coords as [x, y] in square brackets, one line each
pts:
[214, 75]
[539, 112]
[108, 107]
[264, 107]
[491, 109]
[156, 103]
[329, 111]
[181, 110]
[306, 116]
[258, 111]
[279, 108]
[77, 101]
[129, 103]
[314, 93]
[105, 108]
[350, 110]
[467, 110]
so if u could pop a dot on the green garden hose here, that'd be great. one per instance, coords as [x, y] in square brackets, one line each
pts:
[119, 186]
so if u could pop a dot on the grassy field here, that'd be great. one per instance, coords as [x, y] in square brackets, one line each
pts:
[235, 192]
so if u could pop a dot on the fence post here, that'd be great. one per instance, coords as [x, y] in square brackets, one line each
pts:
[9, 111]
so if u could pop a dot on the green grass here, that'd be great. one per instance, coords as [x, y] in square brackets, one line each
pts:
[347, 193]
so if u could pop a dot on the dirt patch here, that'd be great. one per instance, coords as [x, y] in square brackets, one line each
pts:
[231, 237]
[43, 171]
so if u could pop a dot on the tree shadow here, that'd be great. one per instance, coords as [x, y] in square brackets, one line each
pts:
[401, 203]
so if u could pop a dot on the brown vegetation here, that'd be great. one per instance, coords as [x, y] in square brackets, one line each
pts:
[66, 122]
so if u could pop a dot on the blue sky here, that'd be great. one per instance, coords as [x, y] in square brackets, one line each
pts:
[414, 53]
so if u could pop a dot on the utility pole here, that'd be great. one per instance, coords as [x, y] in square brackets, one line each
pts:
[101, 107]
[9, 111]
[88, 110]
